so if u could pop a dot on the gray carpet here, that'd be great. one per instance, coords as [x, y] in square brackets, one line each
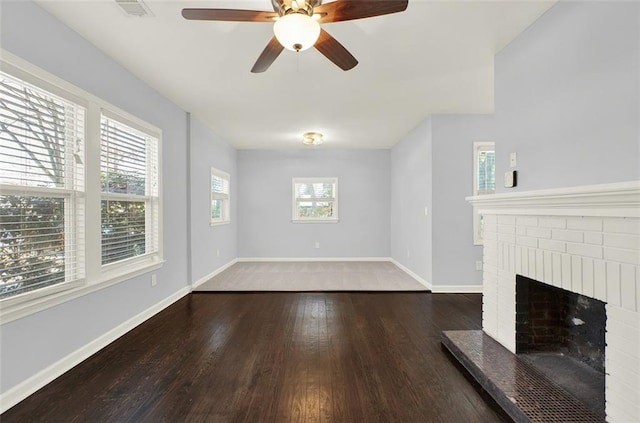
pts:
[313, 276]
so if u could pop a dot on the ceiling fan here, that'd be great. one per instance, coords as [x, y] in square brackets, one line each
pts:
[297, 25]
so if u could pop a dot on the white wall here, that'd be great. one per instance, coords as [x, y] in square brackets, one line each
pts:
[209, 150]
[31, 344]
[411, 193]
[567, 97]
[265, 203]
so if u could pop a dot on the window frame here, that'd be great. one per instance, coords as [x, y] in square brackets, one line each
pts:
[96, 276]
[225, 197]
[295, 218]
[478, 147]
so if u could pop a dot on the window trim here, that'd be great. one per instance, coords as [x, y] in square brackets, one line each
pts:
[479, 146]
[96, 278]
[294, 209]
[226, 198]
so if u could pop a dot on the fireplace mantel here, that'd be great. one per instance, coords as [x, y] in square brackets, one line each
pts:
[581, 239]
[614, 200]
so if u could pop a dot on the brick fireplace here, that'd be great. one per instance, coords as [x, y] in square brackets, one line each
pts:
[584, 240]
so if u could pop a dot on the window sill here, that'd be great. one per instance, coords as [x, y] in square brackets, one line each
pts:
[35, 303]
[226, 222]
[315, 221]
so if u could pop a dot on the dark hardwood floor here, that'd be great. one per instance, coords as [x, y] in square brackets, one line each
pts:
[276, 357]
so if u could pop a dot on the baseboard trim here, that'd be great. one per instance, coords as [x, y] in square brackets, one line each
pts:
[411, 273]
[214, 273]
[22, 390]
[285, 259]
[457, 289]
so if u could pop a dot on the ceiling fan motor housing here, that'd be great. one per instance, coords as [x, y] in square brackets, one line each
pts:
[285, 7]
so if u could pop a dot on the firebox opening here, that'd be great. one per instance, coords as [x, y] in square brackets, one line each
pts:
[562, 334]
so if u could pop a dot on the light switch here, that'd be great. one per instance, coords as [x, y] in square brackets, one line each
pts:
[510, 179]
[513, 160]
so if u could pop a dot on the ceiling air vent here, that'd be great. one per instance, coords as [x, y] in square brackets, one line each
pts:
[134, 8]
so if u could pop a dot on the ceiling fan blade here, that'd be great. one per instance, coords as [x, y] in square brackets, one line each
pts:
[268, 56]
[335, 51]
[347, 10]
[232, 15]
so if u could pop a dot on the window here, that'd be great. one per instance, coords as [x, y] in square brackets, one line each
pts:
[129, 186]
[484, 180]
[315, 199]
[220, 206]
[69, 160]
[42, 182]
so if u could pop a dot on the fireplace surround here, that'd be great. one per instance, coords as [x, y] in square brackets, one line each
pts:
[584, 240]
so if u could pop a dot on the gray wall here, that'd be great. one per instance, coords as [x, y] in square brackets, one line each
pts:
[209, 150]
[411, 192]
[454, 254]
[30, 344]
[567, 97]
[264, 203]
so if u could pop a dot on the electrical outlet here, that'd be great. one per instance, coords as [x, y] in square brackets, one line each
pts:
[154, 280]
[479, 265]
[317, 244]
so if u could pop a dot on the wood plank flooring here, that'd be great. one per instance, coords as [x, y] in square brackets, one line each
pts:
[276, 357]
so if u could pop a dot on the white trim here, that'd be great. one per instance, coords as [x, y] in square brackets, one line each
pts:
[17, 311]
[212, 274]
[22, 390]
[457, 289]
[620, 199]
[411, 273]
[224, 196]
[286, 259]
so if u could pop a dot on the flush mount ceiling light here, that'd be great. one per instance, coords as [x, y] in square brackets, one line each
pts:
[312, 138]
[296, 31]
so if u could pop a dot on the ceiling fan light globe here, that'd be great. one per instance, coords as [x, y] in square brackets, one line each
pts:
[296, 31]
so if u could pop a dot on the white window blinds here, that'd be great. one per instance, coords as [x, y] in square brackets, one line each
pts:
[129, 184]
[315, 199]
[220, 203]
[41, 181]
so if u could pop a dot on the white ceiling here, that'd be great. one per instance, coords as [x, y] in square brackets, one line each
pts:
[436, 57]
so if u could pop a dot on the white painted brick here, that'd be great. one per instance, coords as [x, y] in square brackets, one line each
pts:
[615, 414]
[525, 262]
[566, 271]
[548, 268]
[556, 260]
[500, 255]
[539, 265]
[532, 263]
[619, 315]
[539, 232]
[526, 221]
[547, 244]
[489, 236]
[613, 283]
[630, 242]
[506, 220]
[585, 250]
[587, 277]
[518, 268]
[621, 225]
[576, 274]
[512, 258]
[622, 402]
[599, 280]
[593, 238]
[623, 256]
[510, 238]
[562, 235]
[527, 241]
[628, 287]
[552, 222]
[489, 218]
[622, 345]
[506, 229]
[585, 223]
[638, 291]
[521, 230]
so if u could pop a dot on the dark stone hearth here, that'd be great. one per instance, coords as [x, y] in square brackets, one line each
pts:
[523, 391]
